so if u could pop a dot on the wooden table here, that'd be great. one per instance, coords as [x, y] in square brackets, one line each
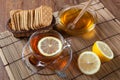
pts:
[107, 30]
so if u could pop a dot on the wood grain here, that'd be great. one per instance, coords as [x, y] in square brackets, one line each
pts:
[7, 5]
[3, 73]
[19, 71]
[104, 31]
[113, 6]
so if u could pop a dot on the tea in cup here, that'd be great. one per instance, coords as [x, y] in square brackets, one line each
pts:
[48, 47]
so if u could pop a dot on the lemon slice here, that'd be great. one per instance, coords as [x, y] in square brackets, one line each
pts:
[103, 51]
[49, 46]
[89, 63]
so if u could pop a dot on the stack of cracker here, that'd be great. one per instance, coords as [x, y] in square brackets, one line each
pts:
[25, 20]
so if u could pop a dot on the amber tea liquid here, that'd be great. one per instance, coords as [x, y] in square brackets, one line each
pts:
[37, 56]
[85, 24]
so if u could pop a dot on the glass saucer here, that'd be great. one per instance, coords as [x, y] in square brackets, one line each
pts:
[60, 64]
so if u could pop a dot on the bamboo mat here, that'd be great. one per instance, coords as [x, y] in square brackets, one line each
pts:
[107, 30]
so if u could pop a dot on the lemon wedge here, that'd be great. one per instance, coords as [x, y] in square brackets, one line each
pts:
[49, 46]
[89, 63]
[103, 51]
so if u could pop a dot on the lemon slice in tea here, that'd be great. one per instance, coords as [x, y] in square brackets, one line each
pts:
[89, 63]
[50, 46]
[103, 51]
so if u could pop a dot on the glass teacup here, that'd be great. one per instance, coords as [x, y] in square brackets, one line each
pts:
[85, 24]
[35, 59]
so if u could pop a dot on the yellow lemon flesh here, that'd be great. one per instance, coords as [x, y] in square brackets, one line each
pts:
[89, 63]
[103, 51]
[50, 46]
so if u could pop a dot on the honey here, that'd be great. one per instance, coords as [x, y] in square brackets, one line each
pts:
[84, 24]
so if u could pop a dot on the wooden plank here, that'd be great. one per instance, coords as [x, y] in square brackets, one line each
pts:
[94, 2]
[102, 31]
[78, 43]
[13, 52]
[117, 21]
[3, 42]
[13, 67]
[115, 24]
[14, 39]
[84, 77]
[115, 76]
[9, 52]
[24, 72]
[52, 77]
[109, 13]
[7, 55]
[114, 44]
[73, 68]
[42, 77]
[11, 47]
[2, 15]
[104, 14]
[10, 74]
[107, 29]
[15, 71]
[5, 34]
[3, 71]
[3, 57]
[10, 68]
[108, 67]
[104, 71]
[6, 6]
[112, 6]
[100, 18]
[7, 41]
[16, 52]
[97, 6]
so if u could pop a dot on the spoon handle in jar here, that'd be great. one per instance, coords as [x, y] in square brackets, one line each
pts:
[82, 12]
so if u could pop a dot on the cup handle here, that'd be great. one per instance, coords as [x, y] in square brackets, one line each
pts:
[62, 73]
[66, 45]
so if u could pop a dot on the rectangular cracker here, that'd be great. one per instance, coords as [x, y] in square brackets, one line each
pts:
[28, 19]
[36, 19]
[25, 20]
[46, 15]
[12, 13]
[18, 21]
[22, 20]
[32, 19]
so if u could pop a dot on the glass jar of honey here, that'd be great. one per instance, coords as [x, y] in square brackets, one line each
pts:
[85, 24]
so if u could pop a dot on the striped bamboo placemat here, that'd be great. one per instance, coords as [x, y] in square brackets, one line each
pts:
[107, 30]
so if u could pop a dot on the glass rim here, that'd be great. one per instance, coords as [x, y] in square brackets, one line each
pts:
[91, 11]
[46, 31]
[34, 69]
